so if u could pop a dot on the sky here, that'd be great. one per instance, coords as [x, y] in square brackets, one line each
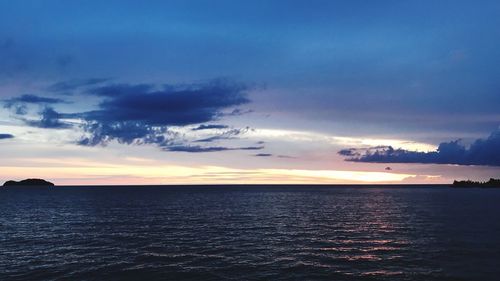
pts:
[211, 92]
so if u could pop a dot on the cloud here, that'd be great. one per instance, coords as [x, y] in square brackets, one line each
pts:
[209, 127]
[349, 152]
[226, 135]
[196, 148]
[71, 85]
[481, 152]
[123, 132]
[167, 106]
[19, 109]
[143, 113]
[272, 155]
[49, 119]
[34, 99]
[6, 136]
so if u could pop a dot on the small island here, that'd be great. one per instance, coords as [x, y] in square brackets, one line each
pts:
[468, 183]
[28, 182]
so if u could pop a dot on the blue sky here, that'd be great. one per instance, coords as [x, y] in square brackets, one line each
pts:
[268, 89]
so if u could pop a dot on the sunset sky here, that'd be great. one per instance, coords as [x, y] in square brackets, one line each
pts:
[168, 92]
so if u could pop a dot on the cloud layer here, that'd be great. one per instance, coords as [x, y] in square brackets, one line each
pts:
[481, 152]
[141, 113]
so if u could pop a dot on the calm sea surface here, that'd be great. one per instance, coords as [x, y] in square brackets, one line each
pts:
[249, 233]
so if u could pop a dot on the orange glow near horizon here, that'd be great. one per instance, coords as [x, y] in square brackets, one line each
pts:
[91, 173]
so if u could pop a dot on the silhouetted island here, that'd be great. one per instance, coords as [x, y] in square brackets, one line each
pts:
[28, 182]
[468, 183]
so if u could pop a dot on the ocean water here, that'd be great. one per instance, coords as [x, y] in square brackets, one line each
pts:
[249, 233]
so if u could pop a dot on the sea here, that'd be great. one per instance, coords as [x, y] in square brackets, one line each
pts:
[249, 232]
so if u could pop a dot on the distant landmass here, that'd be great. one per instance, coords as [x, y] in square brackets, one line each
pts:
[468, 183]
[28, 182]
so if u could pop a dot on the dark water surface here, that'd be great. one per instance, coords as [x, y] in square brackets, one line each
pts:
[249, 233]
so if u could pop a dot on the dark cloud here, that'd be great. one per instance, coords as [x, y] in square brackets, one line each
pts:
[250, 148]
[195, 148]
[6, 136]
[130, 133]
[481, 152]
[34, 99]
[140, 114]
[210, 126]
[71, 85]
[272, 155]
[168, 106]
[123, 132]
[349, 152]
[49, 119]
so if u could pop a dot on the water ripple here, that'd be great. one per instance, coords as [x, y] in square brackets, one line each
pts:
[249, 233]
